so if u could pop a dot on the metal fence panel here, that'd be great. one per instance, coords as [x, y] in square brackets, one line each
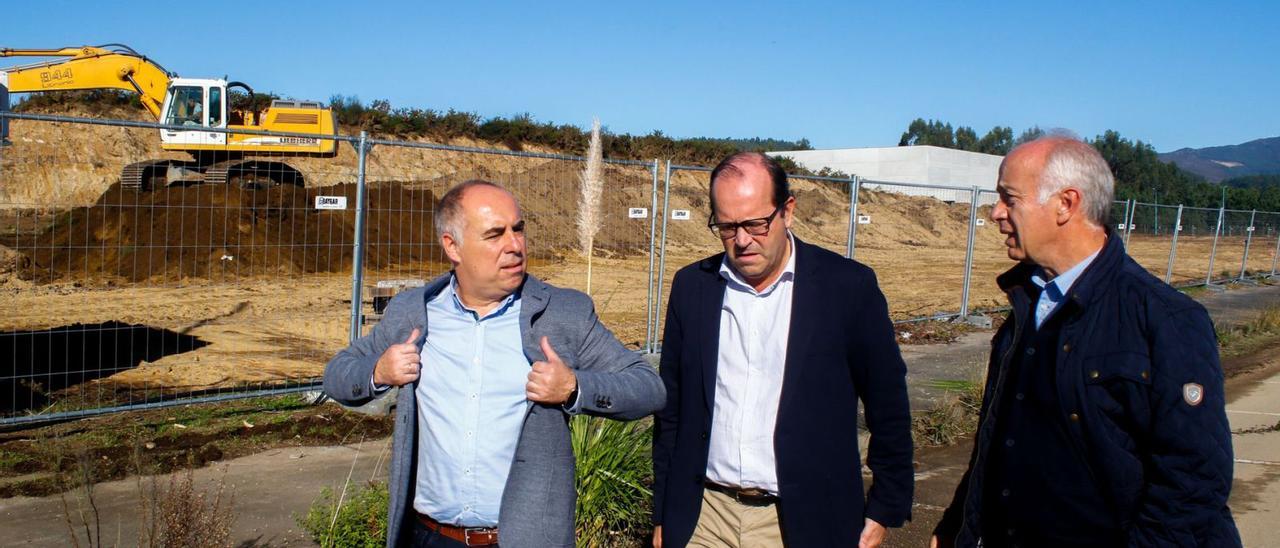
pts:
[990, 257]
[1150, 240]
[684, 237]
[1263, 244]
[1195, 245]
[1266, 242]
[405, 180]
[243, 282]
[918, 246]
[120, 297]
[1231, 248]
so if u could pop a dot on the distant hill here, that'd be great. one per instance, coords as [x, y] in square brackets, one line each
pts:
[1215, 164]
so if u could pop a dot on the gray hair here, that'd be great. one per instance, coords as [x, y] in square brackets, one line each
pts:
[448, 214]
[1074, 163]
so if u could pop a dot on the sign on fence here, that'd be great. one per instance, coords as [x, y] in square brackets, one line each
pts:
[331, 202]
[864, 219]
[680, 215]
[638, 212]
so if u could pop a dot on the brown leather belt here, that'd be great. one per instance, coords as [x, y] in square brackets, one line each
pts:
[470, 536]
[749, 497]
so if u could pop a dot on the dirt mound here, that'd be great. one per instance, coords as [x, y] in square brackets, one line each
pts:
[13, 266]
[12, 262]
[217, 232]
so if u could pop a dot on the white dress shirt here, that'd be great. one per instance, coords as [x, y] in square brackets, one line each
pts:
[754, 326]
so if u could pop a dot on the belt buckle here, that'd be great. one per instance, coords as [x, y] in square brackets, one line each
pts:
[466, 535]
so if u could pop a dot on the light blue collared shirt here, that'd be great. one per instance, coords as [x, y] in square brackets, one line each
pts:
[471, 406]
[1053, 292]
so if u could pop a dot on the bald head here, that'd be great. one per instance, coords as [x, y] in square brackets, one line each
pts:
[744, 163]
[1063, 162]
[449, 213]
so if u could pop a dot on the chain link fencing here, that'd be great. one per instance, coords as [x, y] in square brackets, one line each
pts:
[134, 277]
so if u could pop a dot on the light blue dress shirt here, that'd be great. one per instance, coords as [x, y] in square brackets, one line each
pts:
[1053, 292]
[471, 406]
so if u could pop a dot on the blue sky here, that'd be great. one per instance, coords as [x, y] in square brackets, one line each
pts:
[842, 74]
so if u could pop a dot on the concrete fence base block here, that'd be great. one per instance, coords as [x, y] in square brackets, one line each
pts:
[980, 321]
[379, 406]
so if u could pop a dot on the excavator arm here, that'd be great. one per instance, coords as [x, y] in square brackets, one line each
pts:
[111, 66]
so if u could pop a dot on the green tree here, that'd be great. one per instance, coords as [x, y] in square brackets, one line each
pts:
[1030, 134]
[966, 139]
[998, 141]
[933, 132]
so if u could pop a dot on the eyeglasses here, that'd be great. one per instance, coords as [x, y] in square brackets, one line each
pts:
[754, 227]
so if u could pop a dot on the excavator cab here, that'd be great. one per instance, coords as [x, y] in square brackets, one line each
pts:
[196, 103]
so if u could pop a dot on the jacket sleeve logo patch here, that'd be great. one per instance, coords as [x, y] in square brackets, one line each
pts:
[1192, 393]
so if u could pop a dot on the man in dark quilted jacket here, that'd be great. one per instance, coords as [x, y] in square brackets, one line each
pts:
[1103, 422]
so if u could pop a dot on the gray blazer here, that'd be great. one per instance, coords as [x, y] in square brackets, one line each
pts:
[538, 501]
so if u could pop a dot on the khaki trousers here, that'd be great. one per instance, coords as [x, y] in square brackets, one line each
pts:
[725, 522]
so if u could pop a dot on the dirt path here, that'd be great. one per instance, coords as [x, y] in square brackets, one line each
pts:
[270, 488]
[1253, 407]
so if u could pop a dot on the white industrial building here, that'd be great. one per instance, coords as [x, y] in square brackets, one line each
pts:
[921, 165]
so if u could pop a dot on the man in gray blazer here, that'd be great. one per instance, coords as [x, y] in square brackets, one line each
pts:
[481, 449]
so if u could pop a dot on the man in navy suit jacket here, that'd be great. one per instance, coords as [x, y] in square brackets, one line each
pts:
[768, 347]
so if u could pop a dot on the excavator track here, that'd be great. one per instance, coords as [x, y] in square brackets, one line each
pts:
[252, 173]
[248, 173]
[140, 176]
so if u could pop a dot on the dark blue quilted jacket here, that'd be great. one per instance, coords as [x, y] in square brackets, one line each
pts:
[1132, 351]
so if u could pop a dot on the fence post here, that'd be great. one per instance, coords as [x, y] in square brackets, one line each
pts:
[968, 254]
[1124, 219]
[662, 260]
[1128, 223]
[1275, 255]
[1213, 251]
[1173, 249]
[651, 306]
[852, 247]
[1248, 239]
[357, 255]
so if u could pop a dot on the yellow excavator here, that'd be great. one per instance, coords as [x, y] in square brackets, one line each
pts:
[197, 103]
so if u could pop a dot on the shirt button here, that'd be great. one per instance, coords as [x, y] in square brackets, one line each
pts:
[1008, 443]
[473, 396]
[1066, 347]
[476, 361]
[1093, 374]
[1031, 351]
[1075, 417]
[1019, 396]
[1004, 493]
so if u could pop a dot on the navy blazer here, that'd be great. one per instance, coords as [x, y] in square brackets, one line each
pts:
[841, 348]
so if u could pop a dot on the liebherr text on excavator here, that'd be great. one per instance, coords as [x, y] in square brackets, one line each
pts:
[250, 160]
